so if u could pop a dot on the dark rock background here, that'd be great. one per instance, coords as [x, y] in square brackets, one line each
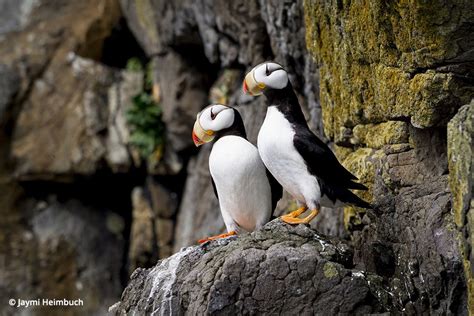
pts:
[387, 84]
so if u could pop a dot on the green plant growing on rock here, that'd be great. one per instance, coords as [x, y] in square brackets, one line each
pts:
[144, 117]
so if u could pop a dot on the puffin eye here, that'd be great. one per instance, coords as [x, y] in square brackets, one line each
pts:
[213, 116]
[266, 70]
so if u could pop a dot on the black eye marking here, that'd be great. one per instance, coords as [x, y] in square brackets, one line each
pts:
[266, 70]
[213, 116]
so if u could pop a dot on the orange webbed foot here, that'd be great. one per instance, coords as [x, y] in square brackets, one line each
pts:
[231, 233]
[292, 218]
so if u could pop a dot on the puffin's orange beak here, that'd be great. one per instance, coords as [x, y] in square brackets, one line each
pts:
[200, 135]
[245, 88]
[251, 86]
[196, 140]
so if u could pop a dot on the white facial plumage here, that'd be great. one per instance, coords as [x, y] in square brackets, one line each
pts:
[272, 75]
[216, 117]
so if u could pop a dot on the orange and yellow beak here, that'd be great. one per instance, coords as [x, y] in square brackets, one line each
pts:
[251, 86]
[200, 135]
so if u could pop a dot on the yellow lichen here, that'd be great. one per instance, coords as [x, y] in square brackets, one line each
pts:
[378, 135]
[330, 270]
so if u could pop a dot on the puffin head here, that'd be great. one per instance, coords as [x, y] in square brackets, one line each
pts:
[212, 119]
[266, 76]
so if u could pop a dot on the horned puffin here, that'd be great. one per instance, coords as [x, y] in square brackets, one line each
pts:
[246, 191]
[302, 163]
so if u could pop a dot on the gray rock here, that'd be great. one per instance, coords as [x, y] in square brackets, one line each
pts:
[199, 215]
[119, 98]
[77, 256]
[15, 14]
[159, 24]
[185, 94]
[231, 32]
[279, 269]
[143, 247]
[88, 127]
[9, 85]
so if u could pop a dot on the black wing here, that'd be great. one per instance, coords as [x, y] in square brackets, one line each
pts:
[276, 189]
[214, 187]
[321, 162]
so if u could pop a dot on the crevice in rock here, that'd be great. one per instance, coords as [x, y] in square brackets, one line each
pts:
[120, 46]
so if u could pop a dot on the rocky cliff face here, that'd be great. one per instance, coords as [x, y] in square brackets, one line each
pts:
[387, 84]
[392, 76]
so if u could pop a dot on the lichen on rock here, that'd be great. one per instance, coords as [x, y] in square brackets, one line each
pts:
[461, 183]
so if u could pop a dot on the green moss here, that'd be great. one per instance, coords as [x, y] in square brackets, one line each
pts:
[147, 130]
[134, 64]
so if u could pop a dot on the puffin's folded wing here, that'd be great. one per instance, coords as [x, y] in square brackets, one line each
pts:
[322, 162]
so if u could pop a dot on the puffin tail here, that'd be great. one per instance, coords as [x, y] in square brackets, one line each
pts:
[356, 186]
[350, 198]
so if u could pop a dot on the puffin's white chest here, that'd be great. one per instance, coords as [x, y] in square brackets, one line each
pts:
[278, 153]
[241, 182]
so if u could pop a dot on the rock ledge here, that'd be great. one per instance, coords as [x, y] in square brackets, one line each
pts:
[278, 269]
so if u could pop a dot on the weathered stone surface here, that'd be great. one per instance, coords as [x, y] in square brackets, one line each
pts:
[163, 201]
[15, 15]
[386, 60]
[185, 88]
[143, 251]
[52, 248]
[43, 55]
[157, 24]
[9, 85]
[277, 270]
[378, 135]
[231, 32]
[460, 156]
[67, 251]
[164, 229]
[461, 183]
[198, 217]
[60, 141]
[387, 92]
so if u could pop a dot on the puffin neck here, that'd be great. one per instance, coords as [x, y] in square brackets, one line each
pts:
[236, 129]
[287, 103]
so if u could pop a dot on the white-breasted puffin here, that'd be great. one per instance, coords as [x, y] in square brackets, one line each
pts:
[246, 191]
[302, 163]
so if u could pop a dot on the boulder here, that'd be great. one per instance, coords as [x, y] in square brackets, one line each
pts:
[279, 269]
